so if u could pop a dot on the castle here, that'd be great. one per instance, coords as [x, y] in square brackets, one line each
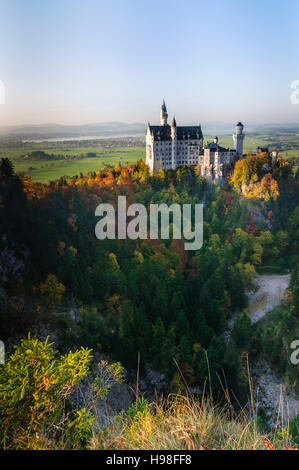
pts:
[168, 147]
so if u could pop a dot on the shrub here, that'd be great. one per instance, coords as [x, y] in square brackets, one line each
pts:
[52, 289]
[294, 431]
[34, 385]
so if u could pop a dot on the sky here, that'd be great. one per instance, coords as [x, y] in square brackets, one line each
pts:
[86, 61]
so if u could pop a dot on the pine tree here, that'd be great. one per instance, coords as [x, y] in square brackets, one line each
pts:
[158, 343]
[126, 346]
[241, 332]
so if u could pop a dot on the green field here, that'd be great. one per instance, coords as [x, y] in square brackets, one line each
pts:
[46, 170]
[74, 155]
[75, 167]
[251, 142]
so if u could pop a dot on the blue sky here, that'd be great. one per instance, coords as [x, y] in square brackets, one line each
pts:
[81, 61]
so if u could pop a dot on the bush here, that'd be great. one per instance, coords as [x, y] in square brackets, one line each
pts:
[34, 385]
[294, 431]
[52, 289]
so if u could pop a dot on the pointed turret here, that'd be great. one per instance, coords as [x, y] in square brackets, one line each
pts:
[174, 138]
[163, 114]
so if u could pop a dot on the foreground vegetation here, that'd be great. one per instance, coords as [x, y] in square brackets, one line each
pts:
[39, 409]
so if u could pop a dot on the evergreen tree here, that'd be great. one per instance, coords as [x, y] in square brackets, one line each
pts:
[241, 332]
[158, 343]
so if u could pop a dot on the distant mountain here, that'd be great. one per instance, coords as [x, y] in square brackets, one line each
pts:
[122, 129]
[276, 128]
[210, 128]
[52, 131]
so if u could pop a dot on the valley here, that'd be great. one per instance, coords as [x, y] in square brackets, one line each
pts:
[67, 158]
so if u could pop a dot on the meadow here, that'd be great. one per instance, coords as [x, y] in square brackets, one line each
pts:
[75, 159]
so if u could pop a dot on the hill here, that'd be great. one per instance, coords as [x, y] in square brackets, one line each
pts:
[145, 303]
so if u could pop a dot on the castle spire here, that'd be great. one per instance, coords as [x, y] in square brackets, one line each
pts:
[173, 122]
[163, 114]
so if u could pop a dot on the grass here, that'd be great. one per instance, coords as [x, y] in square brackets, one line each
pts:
[46, 170]
[74, 167]
[180, 423]
[112, 152]
[290, 153]
[251, 142]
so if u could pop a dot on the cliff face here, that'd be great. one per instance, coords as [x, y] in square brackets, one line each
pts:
[273, 393]
[258, 210]
[276, 376]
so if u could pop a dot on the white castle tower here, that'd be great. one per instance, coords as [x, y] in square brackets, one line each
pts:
[238, 138]
[163, 114]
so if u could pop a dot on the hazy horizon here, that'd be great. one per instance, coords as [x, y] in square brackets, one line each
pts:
[70, 62]
[140, 123]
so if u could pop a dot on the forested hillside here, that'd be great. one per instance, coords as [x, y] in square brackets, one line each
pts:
[147, 299]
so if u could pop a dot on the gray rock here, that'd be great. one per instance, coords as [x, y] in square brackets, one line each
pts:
[155, 379]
